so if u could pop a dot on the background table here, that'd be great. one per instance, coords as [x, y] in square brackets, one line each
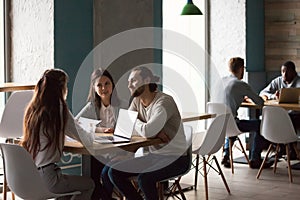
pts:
[10, 87]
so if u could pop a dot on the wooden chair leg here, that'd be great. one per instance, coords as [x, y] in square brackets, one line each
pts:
[160, 191]
[222, 175]
[4, 188]
[276, 158]
[205, 177]
[263, 163]
[243, 150]
[288, 162]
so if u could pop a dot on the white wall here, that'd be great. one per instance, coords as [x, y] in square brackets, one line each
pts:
[227, 31]
[227, 38]
[32, 37]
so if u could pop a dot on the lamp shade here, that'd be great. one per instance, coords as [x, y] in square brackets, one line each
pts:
[191, 9]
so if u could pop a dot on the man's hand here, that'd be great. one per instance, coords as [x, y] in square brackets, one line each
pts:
[163, 136]
[264, 97]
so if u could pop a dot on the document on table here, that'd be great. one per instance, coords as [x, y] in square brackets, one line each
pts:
[87, 123]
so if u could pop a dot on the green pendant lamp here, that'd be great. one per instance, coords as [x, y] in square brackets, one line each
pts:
[191, 9]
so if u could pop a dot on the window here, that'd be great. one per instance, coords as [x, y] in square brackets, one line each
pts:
[183, 78]
[2, 53]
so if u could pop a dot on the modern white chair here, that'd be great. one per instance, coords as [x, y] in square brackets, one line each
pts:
[22, 175]
[175, 187]
[277, 127]
[206, 144]
[11, 125]
[232, 129]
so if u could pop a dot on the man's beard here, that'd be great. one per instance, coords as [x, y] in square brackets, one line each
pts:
[138, 91]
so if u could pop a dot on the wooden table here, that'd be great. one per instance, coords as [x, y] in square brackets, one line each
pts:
[189, 116]
[288, 106]
[97, 149]
[100, 149]
[10, 87]
[137, 142]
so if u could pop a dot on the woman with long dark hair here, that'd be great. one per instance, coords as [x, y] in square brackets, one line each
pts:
[47, 121]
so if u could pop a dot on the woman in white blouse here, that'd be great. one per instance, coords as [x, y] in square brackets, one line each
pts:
[47, 121]
[103, 104]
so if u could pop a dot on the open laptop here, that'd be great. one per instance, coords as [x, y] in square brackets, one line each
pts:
[289, 95]
[123, 130]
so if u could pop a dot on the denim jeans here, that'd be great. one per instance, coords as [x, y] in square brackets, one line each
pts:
[259, 142]
[150, 169]
[107, 184]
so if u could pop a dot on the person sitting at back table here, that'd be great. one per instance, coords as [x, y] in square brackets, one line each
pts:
[103, 104]
[232, 91]
[288, 79]
[46, 122]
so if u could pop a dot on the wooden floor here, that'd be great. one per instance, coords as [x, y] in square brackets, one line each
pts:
[244, 185]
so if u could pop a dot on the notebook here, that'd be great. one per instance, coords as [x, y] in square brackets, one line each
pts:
[289, 95]
[123, 130]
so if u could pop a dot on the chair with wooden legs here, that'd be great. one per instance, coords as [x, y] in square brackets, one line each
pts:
[277, 127]
[206, 144]
[231, 131]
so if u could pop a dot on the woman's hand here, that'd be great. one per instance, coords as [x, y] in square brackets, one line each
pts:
[109, 130]
[104, 130]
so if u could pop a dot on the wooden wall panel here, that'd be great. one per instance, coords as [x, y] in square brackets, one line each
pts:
[282, 33]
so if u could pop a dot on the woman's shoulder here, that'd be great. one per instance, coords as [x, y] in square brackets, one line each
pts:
[87, 110]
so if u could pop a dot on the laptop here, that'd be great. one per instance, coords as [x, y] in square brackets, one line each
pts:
[289, 95]
[123, 130]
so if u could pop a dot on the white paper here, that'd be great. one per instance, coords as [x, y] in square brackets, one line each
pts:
[87, 123]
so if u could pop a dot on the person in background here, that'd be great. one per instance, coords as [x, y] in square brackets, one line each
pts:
[234, 92]
[103, 104]
[47, 121]
[158, 116]
[288, 79]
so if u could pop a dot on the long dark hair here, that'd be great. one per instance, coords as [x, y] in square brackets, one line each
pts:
[94, 97]
[46, 113]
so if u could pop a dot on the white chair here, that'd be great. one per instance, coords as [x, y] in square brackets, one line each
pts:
[22, 175]
[175, 187]
[232, 129]
[11, 125]
[277, 127]
[210, 142]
